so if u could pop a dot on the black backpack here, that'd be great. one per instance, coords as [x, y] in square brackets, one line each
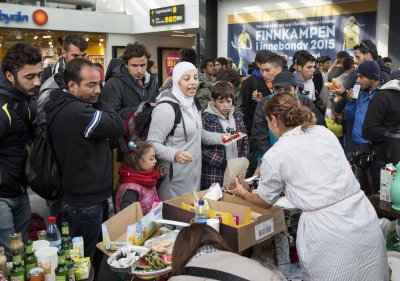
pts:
[42, 168]
[137, 124]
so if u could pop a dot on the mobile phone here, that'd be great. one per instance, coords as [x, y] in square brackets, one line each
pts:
[356, 91]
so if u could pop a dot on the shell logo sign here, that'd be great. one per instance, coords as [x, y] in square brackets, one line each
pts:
[40, 17]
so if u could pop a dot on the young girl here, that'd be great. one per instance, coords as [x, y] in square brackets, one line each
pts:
[138, 178]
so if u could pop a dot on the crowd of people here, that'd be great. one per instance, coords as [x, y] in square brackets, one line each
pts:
[286, 113]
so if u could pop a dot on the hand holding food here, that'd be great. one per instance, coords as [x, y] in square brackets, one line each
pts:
[182, 157]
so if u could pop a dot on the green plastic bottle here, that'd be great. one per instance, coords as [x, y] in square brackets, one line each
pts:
[17, 272]
[65, 238]
[30, 259]
[395, 189]
[69, 263]
[61, 270]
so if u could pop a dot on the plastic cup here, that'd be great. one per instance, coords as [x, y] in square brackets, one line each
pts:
[40, 244]
[47, 259]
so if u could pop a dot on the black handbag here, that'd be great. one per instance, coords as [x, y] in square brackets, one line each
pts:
[363, 156]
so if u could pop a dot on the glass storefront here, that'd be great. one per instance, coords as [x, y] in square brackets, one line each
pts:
[51, 43]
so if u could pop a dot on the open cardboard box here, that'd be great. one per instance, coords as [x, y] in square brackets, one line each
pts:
[114, 229]
[266, 225]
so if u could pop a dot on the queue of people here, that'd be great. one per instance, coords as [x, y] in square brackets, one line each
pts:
[282, 113]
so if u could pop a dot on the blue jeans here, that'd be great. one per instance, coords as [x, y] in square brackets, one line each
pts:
[14, 217]
[85, 222]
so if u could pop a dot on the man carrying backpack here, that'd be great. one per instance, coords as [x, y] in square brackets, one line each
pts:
[79, 126]
[20, 74]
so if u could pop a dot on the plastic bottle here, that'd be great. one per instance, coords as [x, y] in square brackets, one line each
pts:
[3, 263]
[52, 233]
[200, 216]
[17, 272]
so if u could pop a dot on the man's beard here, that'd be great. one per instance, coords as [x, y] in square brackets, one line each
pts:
[25, 92]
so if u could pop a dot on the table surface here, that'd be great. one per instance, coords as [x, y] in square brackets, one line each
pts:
[383, 208]
[102, 248]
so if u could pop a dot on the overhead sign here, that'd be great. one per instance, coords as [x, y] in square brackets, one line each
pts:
[167, 15]
[322, 30]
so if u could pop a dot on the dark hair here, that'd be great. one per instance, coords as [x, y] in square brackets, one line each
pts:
[367, 46]
[189, 240]
[347, 63]
[263, 56]
[76, 40]
[222, 61]
[304, 58]
[297, 54]
[135, 50]
[229, 75]
[275, 60]
[18, 56]
[73, 69]
[150, 64]
[204, 63]
[134, 155]
[287, 109]
[323, 59]
[189, 55]
[387, 59]
[222, 90]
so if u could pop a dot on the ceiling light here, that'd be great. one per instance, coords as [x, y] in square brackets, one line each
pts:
[87, 39]
[50, 43]
[178, 31]
[46, 36]
[1, 45]
[35, 37]
[100, 44]
[101, 39]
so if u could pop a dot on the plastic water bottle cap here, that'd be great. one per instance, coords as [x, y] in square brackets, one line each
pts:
[201, 202]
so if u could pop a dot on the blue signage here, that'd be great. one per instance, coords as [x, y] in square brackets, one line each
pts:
[18, 17]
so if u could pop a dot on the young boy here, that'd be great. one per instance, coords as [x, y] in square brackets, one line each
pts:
[220, 117]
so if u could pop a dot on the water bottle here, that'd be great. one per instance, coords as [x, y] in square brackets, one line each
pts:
[52, 233]
[200, 216]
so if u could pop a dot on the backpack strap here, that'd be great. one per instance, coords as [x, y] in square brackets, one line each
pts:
[178, 117]
[211, 274]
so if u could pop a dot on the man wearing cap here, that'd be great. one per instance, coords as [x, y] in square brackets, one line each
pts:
[368, 76]
[383, 113]
[263, 139]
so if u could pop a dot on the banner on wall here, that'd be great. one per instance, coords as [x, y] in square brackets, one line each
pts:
[322, 30]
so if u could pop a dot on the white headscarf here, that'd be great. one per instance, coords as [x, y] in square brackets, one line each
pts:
[177, 73]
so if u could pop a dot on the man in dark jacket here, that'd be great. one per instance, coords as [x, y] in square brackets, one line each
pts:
[284, 81]
[74, 46]
[254, 88]
[19, 81]
[383, 113]
[130, 83]
[79, 126]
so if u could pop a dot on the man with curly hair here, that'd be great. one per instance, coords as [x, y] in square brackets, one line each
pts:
[20, 75]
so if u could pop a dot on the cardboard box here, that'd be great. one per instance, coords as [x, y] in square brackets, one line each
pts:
[114, 230]
[130, 227]
[270, 222]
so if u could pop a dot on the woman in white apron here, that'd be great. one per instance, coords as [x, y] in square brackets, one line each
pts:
[339, 237]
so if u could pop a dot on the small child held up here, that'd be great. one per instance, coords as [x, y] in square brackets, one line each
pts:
[138, 177]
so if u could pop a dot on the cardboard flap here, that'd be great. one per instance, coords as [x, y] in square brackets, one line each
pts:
[116, 226]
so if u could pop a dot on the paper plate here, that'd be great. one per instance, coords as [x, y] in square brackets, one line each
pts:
[394, 263]
[155, 272]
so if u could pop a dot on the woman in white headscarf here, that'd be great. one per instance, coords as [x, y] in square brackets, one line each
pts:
[179, 153]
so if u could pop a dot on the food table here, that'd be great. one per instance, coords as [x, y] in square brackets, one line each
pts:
[383, 208]
[102, 248]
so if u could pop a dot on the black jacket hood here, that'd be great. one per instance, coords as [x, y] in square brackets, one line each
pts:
[7, 90]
